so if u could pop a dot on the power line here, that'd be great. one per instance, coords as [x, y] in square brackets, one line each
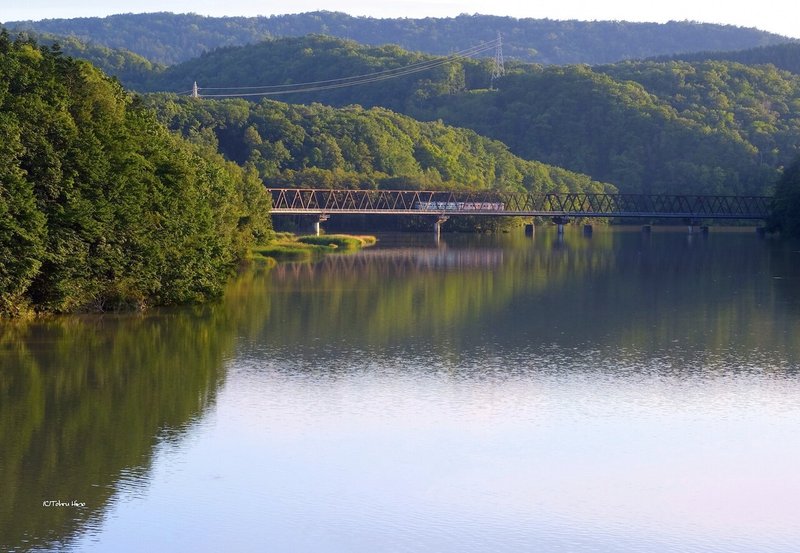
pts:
[330, 84]
[397, 71]
[420, 64]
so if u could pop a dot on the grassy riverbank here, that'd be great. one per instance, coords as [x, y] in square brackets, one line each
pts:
[288, 247]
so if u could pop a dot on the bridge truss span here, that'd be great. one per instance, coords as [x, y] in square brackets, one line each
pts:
[299, 201]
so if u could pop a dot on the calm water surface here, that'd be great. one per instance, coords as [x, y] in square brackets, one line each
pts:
[617, 393]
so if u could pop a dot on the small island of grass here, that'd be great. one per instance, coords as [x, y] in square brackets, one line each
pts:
[288, 247]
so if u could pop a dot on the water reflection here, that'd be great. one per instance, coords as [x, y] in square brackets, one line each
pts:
[619, 392]
[85, 400]
[620, 293]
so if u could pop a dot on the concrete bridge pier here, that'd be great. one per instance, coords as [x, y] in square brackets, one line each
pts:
[561, 221]
[317, 224]
[437, 226]
[691, 224]
[530, 229]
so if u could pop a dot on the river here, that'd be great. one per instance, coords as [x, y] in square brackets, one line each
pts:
[613, 393]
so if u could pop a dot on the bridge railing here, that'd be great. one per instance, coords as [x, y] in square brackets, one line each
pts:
[327, 201]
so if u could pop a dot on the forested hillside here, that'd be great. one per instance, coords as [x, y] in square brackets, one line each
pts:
[100, 205]
[727, 132]
[128, 67]
[760, 104]
[782, 56]
[321, 59]
[707, 127]
[323, 147]
[171, 38]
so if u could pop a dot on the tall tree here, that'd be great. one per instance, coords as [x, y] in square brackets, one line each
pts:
[101, 206]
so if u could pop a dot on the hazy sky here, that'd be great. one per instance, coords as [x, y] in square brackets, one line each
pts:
[779, 16]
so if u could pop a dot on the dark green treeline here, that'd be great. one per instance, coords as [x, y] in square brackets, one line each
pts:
[101, 206]
[171, 38]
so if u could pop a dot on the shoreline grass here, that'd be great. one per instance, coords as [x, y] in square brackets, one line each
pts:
[288, 247]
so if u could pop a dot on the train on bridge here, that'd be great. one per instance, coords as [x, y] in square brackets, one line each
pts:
[459, 206]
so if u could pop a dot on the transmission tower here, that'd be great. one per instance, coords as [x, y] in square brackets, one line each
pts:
[195, 93]
[498, 69]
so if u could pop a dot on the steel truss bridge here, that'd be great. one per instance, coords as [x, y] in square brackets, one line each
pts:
[323, 203]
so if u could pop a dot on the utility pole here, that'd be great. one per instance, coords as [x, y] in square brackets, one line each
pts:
[498, 69]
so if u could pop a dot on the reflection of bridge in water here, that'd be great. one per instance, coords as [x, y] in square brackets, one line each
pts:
[560, 207]
[395, 261]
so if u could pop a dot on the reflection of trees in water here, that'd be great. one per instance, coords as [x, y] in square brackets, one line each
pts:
[632, 291]
[386, 296]
[784, 267]
[687, 297]
[391, 262]
[84, 401]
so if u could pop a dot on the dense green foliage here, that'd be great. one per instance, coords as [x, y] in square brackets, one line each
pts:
[786, 208]
[757, 104]
[352, 147]
[123, 64]
[708, 127]
[102, 206]
[783, 56]
[320, 58]
[171, 38]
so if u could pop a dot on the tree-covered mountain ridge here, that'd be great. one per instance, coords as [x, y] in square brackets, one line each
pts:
[277, 64]
[127, 66]
[317, 146]
[677, 127]
[783, 56]
[642, 139]
[169, 38]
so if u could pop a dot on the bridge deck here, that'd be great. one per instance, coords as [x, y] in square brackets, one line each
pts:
[291, 201]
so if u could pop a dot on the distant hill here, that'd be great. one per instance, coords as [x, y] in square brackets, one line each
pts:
[318, 146]
[287, 61]
[128, 67]
[721, 133]
[704, 127]
[171, 38]
[783, 56]
[682, 127]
